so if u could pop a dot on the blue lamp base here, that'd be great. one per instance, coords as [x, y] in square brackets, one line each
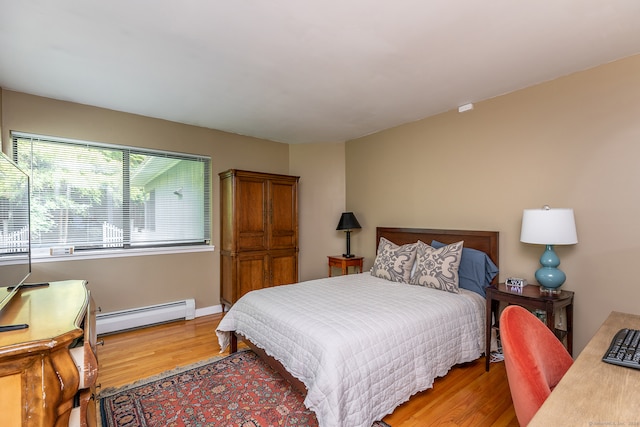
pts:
[548, 276]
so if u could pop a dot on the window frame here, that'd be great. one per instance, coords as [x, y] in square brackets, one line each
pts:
[127, 249]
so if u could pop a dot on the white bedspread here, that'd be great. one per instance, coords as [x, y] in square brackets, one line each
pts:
[361, 345]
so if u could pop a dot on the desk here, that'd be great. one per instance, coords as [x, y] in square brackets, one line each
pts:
[592, 392]
[39, 377]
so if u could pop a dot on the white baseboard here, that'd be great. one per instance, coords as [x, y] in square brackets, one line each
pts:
[205, 311]
[123, 320]
[144, 316]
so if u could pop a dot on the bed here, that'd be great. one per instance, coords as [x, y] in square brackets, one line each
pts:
[360, 345]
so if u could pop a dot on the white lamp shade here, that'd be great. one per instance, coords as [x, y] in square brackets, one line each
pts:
[548, 227]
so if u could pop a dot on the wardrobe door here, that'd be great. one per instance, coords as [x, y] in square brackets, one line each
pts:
[283, 213]
[253, 273]
[283, 267]
[251, 213]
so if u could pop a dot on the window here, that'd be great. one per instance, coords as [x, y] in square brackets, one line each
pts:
[93, 196]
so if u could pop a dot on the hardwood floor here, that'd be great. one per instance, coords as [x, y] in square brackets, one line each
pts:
[466, 396]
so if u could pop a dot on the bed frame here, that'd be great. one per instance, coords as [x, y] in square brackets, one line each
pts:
[486, 241]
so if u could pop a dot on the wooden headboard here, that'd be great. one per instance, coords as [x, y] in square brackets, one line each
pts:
[485, 241]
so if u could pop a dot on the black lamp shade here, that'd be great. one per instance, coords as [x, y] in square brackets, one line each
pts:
[348, 221]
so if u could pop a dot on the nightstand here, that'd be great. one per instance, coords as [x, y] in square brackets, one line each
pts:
[344, 263]
[530, 298]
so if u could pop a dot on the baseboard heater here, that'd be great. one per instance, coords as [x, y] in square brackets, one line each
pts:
[122, 320]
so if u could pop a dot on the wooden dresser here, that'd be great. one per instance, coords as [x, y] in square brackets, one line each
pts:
[259, 232]
[41, 382]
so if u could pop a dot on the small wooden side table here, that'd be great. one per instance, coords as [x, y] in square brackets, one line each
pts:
[344, 263]
[531, 298]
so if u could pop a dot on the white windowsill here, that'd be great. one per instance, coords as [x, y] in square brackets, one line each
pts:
[122, 253]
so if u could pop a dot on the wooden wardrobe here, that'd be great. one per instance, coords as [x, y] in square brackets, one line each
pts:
[259, 232]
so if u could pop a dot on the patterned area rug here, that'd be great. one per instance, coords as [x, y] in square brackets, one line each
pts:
[239, 390]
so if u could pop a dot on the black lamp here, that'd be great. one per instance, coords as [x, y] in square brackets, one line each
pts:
[348, 222]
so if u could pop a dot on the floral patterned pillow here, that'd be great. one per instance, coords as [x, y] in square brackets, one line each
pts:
[437, 268]
[394, 262]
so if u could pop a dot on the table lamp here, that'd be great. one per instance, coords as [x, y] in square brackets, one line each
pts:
[347, 223]
[549, 227]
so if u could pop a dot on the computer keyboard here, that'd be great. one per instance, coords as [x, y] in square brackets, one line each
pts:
[624, 350]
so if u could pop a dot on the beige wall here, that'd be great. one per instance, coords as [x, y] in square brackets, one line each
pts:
[1, 133]
[119, 283]
[322, 199]
[572, 142]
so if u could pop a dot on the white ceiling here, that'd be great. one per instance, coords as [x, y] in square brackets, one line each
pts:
[301, 71]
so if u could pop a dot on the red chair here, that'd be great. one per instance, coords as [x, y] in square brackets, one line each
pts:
[534, 358]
